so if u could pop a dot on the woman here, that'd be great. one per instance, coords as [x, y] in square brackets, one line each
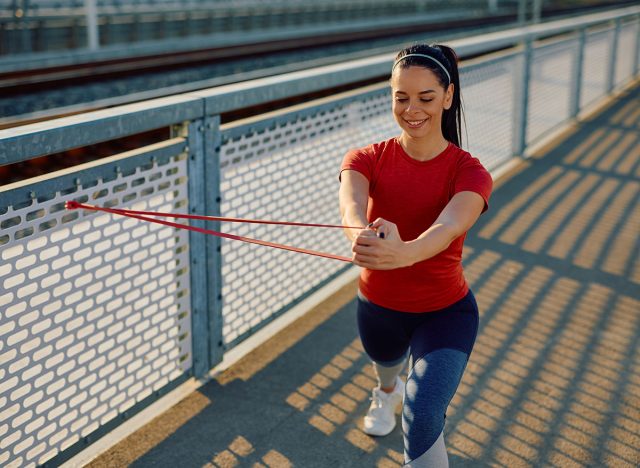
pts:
[418, 194]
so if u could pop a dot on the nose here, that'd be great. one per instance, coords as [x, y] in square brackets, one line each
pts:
[411, 107]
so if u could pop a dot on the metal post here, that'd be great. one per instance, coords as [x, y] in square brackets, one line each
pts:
[204, 251]
[574, 103]
[197, 248]
[522, 12]
[212, 146]
[636, 55]
[91, 12]
[613, 57]
[20, 11]
[537, 7]
[521, 107]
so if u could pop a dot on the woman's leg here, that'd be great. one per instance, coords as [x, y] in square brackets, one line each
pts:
[440, 349]
[388, 374]
[435, 457]
[383, 333]
[386, 342]
[431, 384]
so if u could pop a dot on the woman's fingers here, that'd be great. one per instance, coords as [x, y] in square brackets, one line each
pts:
[377, 223]
[367, 261]
[383, 228]
[364, 261]
[376, 246]
[365, 244]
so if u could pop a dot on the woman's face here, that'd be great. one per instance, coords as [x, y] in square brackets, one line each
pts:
[419, 100]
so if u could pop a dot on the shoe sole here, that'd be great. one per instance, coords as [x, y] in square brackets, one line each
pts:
[378, 434]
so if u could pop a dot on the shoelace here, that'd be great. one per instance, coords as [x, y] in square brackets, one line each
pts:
[377, 397]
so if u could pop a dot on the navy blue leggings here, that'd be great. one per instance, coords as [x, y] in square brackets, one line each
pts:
[439, 342]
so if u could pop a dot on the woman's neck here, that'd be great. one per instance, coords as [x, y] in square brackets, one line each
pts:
[423, 149]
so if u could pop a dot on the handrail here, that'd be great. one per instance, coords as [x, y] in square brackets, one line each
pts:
[53, 136]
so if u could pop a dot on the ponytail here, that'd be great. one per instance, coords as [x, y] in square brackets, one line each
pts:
[452, 117]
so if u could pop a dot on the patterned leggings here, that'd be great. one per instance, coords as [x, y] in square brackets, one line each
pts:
[439, 343]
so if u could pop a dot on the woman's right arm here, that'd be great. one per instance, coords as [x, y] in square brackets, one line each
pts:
[354, 197]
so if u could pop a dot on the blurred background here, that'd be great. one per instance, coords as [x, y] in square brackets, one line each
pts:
[65, 57]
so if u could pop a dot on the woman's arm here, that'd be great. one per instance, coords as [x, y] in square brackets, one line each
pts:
[389, 251]
[354, 197]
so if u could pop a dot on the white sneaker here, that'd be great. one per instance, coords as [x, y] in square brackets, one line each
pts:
[381, 418]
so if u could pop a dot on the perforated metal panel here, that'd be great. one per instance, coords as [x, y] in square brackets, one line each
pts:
[488, 101]
[594, 72]
[286, 168]
[94, 310]
[626, 49]
[550, 87]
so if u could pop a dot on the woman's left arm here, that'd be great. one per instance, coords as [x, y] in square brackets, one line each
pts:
[389, 251]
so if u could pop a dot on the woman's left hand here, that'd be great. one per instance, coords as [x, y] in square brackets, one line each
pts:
[380, 247]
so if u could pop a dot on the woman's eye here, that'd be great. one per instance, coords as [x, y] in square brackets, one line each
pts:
[406, 99]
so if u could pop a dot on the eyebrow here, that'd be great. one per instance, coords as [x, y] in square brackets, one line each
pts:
[421, 92]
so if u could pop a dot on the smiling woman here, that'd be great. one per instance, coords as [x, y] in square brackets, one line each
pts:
[419, 193]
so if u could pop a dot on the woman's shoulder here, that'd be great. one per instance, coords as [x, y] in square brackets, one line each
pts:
[374, 150]
[366, 159]
[459, 154]
[464, 159]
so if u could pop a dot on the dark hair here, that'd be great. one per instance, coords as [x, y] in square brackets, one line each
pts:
[452, 117]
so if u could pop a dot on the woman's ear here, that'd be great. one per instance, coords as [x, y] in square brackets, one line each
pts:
[448, 96]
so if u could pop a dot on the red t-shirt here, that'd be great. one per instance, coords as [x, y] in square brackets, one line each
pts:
[412, 194]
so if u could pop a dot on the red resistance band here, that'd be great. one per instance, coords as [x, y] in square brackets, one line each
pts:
[143, 215]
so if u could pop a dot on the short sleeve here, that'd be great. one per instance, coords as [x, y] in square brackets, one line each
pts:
[473, 177]
[361, 160]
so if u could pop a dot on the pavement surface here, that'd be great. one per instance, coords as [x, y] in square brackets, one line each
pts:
[554, 378]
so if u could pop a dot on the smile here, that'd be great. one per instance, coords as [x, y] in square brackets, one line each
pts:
[415, 123]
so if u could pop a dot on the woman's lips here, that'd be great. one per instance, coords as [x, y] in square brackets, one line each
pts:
[415, 123]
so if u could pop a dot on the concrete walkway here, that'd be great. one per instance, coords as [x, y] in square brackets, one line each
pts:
[554, 379]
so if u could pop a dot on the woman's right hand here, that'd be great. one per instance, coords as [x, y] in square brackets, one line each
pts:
[361, 235]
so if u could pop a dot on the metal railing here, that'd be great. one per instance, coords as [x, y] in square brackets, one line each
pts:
[99, 315]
